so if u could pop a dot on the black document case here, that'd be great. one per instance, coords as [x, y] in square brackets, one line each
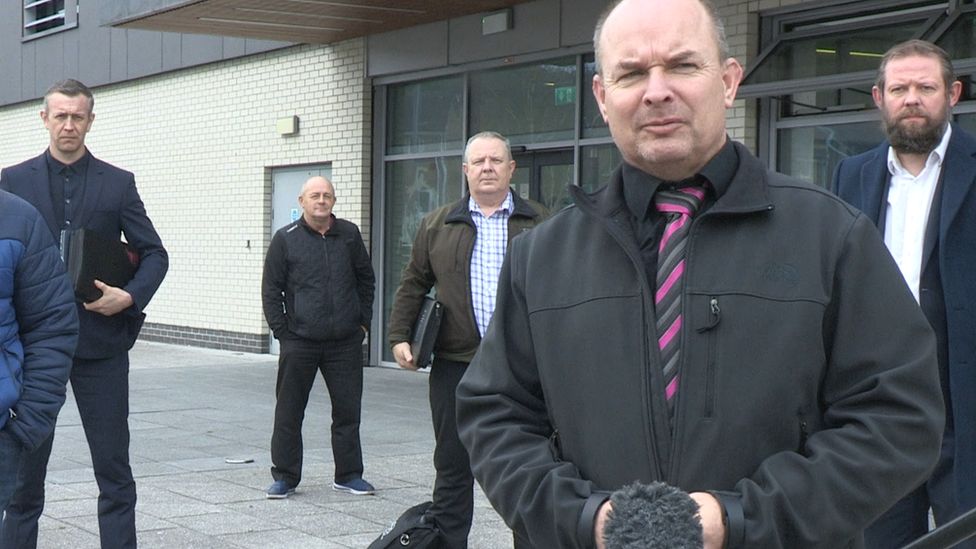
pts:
[425, 331]
[89, 255]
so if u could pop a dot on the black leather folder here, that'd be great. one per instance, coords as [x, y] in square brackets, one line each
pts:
[89, 255]
[425, 330]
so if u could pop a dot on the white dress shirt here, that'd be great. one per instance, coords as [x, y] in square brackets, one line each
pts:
[907, 212]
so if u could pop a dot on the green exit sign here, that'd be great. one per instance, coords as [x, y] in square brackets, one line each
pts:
[565, 95]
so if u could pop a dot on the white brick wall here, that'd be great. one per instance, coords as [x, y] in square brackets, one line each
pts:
[200, 142]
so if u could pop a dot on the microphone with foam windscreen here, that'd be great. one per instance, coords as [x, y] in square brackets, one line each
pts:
[652, 516]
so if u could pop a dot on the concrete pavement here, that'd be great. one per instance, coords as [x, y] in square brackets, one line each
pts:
[193, 408]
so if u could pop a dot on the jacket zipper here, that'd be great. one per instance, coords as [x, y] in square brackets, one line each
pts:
[804, 433]
[715, 317]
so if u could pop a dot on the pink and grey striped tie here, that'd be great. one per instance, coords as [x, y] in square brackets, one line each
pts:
[678, 207]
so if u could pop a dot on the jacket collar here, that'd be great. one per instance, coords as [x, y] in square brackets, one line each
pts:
[747, 192]
[459, 212]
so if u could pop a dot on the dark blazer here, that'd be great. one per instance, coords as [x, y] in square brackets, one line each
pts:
[111, 205]
[862, 181]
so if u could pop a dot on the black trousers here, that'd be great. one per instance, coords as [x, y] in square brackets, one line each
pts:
[454, 485]
[341, 365]
[101, 389]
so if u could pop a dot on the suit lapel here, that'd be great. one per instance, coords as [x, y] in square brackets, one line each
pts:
[91, 194]
[39, 188]
[874, 185]
[958, 178]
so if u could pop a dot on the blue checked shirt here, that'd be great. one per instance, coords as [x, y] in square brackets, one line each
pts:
[486, 259]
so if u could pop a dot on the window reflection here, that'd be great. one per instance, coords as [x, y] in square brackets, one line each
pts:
[425, 116]
[597, 164]
[812, 153]
[593, 124]
[960, 40]
[831, 54]
[413, 188]
[528, 103]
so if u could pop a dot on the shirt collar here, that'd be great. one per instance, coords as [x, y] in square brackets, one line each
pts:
[937, 156]
[639, 186]
[506, 206]
[55, 166]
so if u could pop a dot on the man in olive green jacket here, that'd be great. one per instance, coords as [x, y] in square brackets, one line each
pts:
[459, 249]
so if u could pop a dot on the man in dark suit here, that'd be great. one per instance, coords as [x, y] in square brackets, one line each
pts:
[919, 187]
[72, 189]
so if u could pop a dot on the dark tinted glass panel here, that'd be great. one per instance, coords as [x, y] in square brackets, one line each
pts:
[831, 54]
[597, 163]
[413, 188]
[528, 103]
[425, 116]
[853, 98]
[813, 153]
[959, 41]
[593, 124]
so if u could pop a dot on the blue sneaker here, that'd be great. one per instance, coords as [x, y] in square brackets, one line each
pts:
[356, 487]
[280, 489]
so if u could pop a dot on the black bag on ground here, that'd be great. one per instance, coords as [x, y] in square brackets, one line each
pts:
[411, 530]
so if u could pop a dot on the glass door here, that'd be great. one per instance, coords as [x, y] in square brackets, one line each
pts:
[544, 176]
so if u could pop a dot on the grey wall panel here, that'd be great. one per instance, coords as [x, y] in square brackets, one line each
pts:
[10, 60]
[199, 49]
[70, 53]
[252, 45]
[94, 54]
[27, 69]
[414, 48]
[577, 19]
[234, 47]
[172, 51]
[48, 63]
[532, 31]
[118, 65]
[144, 53]
[110, 11]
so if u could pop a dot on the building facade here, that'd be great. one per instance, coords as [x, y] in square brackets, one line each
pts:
[220, 130]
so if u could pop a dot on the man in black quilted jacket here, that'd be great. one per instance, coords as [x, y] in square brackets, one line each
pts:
[317, 292]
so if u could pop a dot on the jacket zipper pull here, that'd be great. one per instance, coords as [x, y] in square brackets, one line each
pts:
[715, 318]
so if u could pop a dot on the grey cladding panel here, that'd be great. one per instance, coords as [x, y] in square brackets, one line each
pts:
[578, 19]
[199, 49]
[532, 31]
[48, 62]
[172, 50]
[111, 11]
[27, 69]
[94, 54]
[252, 45]
[234, 47]
[71, 53]
[410, 49]
[118, 65]
[144, 53]
[10, 63]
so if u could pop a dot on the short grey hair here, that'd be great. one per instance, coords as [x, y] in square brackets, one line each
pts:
[718, 26]
[71, 88]
[487, 135]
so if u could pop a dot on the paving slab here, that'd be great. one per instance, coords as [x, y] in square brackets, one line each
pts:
[192, 408]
